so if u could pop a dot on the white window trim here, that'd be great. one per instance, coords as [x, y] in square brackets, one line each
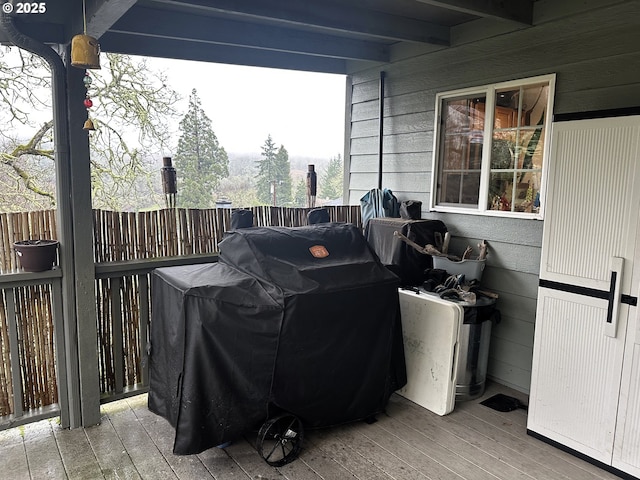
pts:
[490, 92]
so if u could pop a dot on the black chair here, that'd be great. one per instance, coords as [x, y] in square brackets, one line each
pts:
[318, 215]
[241, 219]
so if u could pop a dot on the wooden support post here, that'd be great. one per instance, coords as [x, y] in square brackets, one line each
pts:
[82, 235]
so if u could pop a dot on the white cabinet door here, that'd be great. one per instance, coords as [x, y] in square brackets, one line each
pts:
[586, 269]
[576, 374]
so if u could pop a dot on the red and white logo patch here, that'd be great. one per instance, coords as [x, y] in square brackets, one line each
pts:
[319, 251]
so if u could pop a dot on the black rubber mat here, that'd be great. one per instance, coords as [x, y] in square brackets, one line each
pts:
[503, 403]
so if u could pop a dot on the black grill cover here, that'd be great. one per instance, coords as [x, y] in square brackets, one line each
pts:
[271, 326]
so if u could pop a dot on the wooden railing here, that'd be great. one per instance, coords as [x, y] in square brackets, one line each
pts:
[32, 347]
[127, 247]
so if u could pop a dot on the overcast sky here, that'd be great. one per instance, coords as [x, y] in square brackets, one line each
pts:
[302, 111]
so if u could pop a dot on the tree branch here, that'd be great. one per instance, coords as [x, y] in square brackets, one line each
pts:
[28, 179]
[30, 148]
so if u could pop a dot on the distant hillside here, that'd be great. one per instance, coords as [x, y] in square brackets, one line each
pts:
[244, 163]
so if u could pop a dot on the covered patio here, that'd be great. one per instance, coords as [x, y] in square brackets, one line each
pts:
[329, 37]
[397, 56]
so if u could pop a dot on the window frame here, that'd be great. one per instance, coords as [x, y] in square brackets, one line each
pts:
[489, 91]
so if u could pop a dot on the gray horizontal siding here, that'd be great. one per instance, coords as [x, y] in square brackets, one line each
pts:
[401, 123]
[391, 162]
[397, 143]
[395, 181]
[506, 373]
[414, 102]
[593, 54]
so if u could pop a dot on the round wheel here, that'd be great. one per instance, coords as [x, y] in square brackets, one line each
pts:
[280, 439]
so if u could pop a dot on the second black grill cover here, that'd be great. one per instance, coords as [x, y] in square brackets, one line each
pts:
[400, 258]
[301, 319]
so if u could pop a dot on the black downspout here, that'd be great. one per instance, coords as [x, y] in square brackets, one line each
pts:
[381, 128]
[63, 186]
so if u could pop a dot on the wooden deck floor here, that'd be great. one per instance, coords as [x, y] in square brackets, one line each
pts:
[409, 442]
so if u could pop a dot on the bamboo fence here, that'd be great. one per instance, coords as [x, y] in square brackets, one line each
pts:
[34, 319]
[121, 236]
[118, 237]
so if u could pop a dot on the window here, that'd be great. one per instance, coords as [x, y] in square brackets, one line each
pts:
[490, 148]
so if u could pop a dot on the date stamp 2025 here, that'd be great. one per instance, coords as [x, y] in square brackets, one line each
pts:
[20, 8]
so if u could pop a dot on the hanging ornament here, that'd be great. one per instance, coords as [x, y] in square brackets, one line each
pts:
[85, 49]
[88, 103]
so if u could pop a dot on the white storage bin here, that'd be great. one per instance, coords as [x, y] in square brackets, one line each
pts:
[472, 269]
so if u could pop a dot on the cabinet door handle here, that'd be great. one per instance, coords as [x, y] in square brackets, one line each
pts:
[636, 313]
[615, 297]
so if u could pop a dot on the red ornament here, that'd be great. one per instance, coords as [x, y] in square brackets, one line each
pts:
[88, 103]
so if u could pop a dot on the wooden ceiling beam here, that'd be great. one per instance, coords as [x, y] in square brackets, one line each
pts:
[101, 15]
[324, 16]
[147, 22]
[204, 52]
[520, 11]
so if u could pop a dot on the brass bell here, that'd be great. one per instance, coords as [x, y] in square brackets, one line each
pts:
[88, 125]
[85, 51]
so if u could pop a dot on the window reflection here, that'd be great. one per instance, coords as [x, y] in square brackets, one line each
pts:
[461, 152]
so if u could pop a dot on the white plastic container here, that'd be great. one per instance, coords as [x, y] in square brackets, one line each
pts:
[472, 269]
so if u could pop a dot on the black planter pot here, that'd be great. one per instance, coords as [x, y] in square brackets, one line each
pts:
[36, 255]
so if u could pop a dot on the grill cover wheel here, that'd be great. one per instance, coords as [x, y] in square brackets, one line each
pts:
[280, 439]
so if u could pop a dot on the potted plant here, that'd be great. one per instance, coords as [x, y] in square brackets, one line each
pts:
[36, 255]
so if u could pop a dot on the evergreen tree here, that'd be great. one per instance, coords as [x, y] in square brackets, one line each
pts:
[200, 160]
[300, 196]
[266, 172]
[331, 180]
[273, 172]
[283, 172]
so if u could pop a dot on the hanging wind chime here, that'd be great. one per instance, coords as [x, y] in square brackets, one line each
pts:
[85, 53]
[88, 103]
